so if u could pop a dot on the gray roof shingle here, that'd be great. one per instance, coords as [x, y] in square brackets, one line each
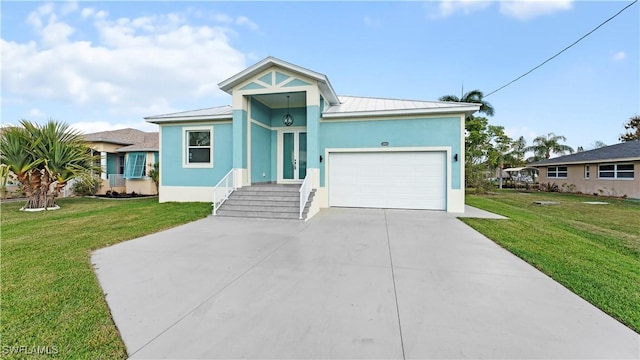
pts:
[132, 139]
[629, 150]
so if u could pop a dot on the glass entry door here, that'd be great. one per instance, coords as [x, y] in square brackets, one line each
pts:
[294, 155]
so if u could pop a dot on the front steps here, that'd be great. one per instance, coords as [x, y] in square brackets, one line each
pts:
[270, 201]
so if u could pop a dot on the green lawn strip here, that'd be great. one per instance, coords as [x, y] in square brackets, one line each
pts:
[50, 294]
[598, 263]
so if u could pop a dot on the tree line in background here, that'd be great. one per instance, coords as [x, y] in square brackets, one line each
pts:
[490, 150]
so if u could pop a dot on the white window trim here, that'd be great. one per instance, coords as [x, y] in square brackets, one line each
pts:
[615, 172]
[557, 171]
[185, 143]
[587, 172]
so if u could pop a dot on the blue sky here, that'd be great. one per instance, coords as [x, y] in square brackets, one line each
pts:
[106, 65]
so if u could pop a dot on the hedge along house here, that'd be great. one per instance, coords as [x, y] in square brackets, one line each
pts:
[126, 156]
[287, 126]
[611, 170]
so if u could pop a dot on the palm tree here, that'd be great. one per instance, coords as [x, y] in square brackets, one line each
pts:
[44, 158]
[473, 96]
[544, 145]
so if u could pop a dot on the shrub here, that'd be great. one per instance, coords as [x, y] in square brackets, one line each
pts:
[86, 184]
[549, 187]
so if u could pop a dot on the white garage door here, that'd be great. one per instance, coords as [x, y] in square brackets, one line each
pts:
[402, 180]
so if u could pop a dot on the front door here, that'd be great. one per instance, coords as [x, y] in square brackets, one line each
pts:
[294, 155]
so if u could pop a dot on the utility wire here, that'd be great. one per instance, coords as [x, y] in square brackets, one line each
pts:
[563, 50]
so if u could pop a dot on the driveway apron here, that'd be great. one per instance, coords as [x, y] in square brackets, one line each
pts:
[348, 284]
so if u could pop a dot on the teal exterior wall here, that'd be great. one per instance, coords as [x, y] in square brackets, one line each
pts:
[418, 132]
[313, 136]
[239, 139]
[173, 174]
[299, 117]
[260, 112]
[273, 117]
[264, 142]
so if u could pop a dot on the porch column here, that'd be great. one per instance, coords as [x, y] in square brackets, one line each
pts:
[313, 135]
[103, 165]
[239, 139]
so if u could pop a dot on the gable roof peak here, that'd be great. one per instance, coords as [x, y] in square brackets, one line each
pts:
[323, 82]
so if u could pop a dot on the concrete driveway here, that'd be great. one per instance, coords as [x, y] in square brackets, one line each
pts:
[348, 284]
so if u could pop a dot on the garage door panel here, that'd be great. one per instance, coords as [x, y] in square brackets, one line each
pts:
[413, 180]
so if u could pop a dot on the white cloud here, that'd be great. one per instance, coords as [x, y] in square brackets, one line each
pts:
[35, 113]
[88, 127]
[223, 18]
[245, 21]
[138, 65]
[521, 9]
[69, 7]
[87, 12]
[528, 9]
[35, 17]
[450, 7]
[620, 55]
[516, 132]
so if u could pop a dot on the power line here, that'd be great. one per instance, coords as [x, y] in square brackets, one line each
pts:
[563, 50]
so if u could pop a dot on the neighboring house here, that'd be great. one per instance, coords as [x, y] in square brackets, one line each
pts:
[286, 124]
[611, 170]
[126, 156]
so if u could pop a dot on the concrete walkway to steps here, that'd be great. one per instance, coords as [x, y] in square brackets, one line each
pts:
[348, 284]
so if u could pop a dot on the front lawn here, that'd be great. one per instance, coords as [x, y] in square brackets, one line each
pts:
[593, 250]
[51, 301]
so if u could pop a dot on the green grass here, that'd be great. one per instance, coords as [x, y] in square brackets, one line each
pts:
[593, 250]
[50, 295]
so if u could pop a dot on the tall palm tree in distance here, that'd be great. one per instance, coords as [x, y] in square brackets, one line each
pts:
[473, 96]
[544, 145]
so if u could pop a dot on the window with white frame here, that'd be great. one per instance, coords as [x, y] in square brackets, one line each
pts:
[616, 171]
[135, 165]
[198, 147]
[557, 172]
[587, 171]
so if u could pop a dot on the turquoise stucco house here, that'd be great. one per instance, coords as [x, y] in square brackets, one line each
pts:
[286, 124]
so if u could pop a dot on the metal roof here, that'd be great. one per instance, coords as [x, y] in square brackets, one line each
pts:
[350, 106]
[323, 82]
[626, 151]
[215, 113]
[365, 106]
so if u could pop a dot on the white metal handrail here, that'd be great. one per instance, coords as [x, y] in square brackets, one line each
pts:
[305, 191]
[223, 189]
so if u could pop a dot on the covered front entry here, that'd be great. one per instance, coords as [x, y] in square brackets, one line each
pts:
[388, 179]
[294, 156]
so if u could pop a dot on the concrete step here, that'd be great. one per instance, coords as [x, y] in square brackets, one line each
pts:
[267, 195]
[277, 188]
[265, 201]
[262, 208]
[258, 214]
[261, 201]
